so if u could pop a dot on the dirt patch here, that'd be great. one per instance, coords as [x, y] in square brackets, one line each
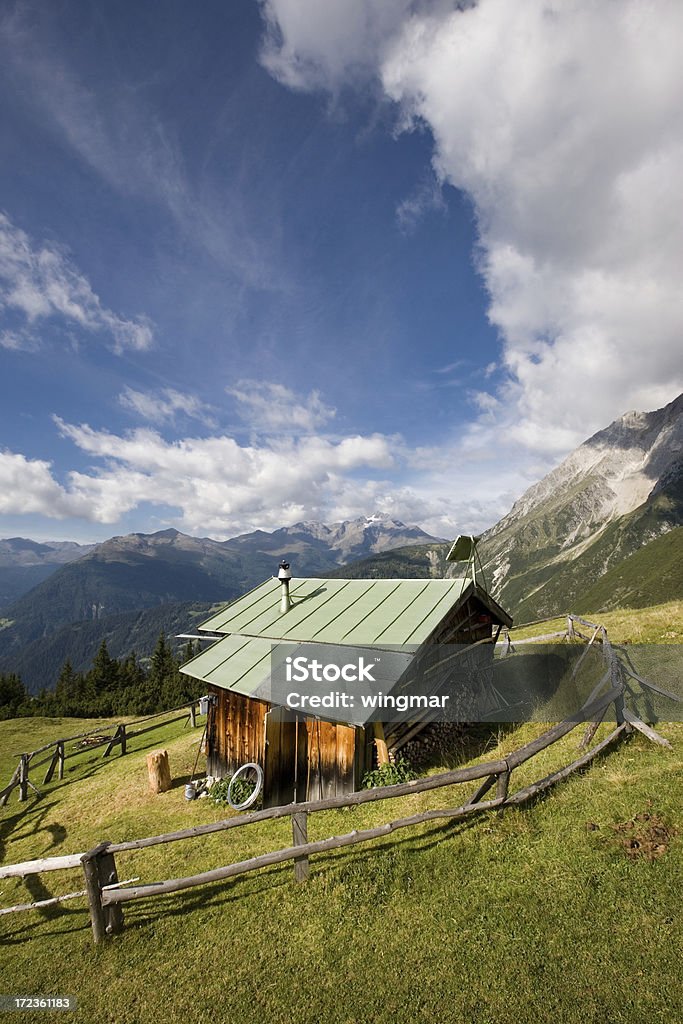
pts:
[645, 835]
[92, 741]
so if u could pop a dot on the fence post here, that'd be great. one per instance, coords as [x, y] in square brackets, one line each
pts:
[502, 784]
[14, 781]
[52, 765]
[300, 838]
[122, 728]
[23, 778]
[92, 885]
[60, 766]
[570, 626]
[112, 742]
[99, 868]
[193, 717]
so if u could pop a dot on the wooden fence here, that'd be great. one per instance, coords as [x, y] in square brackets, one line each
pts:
[55, 760]
[106, 894]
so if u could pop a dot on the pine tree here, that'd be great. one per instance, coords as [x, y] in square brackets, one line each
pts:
[12, 695]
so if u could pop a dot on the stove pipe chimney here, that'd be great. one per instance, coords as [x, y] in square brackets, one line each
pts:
[284, 575]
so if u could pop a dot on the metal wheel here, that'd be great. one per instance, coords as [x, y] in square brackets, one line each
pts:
[250, 774]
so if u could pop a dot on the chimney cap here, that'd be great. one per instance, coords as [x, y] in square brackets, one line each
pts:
[284, 572]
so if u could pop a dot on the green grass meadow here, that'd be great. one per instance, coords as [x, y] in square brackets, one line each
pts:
[564, 911]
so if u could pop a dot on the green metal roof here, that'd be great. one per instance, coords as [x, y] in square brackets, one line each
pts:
[245, 664]
[354, 612]
[236, 663]
[378, 614]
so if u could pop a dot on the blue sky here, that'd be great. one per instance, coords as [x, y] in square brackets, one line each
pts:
[269, 262]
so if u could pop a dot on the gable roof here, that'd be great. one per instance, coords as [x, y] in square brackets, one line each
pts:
[381, 614]
[353, 612]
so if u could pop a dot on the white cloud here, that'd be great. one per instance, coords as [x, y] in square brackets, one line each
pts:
[217, 485]
[310, 44]
[165, 406]
[40, 282]
[271, 408]
[561, 120]
[27, 485]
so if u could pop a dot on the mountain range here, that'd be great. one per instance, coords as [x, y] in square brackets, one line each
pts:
[128, 588]
[25, 563]
[604, 529]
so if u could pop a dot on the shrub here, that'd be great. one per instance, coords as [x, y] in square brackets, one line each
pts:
[389, 774]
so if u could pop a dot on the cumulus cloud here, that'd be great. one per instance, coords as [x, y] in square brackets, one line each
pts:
[39, 282]
[27, 485]
[215, 484]
[272, 408]
[165, 406]
[561, 120]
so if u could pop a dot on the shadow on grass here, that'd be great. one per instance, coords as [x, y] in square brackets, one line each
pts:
[29, 822]
[216, 895]
[221, 894]
[27, 929]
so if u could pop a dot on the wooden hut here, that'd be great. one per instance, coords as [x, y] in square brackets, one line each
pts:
[304, 756]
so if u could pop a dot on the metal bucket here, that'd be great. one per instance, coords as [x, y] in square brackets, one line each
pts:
[190, 791]
[204, 704]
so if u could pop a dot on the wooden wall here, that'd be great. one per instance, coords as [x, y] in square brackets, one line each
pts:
[302, 758]
[310, 759]
[235, 733]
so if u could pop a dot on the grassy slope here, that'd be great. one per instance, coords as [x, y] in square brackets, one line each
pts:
[525, 917]
[642, 578]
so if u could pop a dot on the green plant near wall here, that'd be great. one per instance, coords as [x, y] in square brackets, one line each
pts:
[389, 774]
[241, 791]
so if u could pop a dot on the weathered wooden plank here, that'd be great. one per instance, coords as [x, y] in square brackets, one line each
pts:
[23, 778]
[43, 903]
[550, 780]
[59, 899]
[54, 760]
[108, 877]
[36, 867]
[14, 781]
[290, 853]
[537, 639]
[300, 838]
[591, 730]
[116, 738]
[380, 743]
[646, 730]
[92, 884]
[346, 750]
[39, 764]
[502, 784]
[584, 622]
[351, 800]
[482, 789]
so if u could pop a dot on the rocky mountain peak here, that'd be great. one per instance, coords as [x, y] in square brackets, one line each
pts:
[608, 485]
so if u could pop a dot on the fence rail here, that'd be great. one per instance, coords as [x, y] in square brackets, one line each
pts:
[123, 732]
